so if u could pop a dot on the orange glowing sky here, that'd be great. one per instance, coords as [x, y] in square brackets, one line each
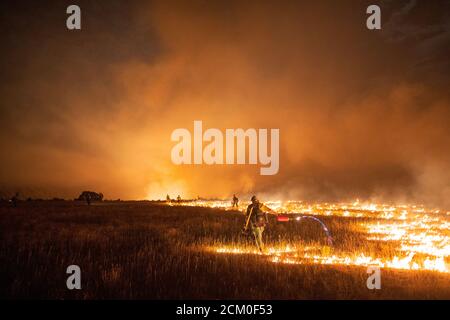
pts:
[361, 113]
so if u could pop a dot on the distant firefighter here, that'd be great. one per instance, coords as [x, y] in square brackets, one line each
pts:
[235, 201]
[257, 219]
[14, 199]
[179, 198]
[167, 198]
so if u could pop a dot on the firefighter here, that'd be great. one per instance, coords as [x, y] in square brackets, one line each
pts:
[257, 218]
[14, 199]
[88, 199]
[235, 201]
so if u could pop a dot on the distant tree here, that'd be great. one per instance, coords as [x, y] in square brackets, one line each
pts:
[89, 196]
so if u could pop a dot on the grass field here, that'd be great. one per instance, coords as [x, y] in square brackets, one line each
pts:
[145, 250]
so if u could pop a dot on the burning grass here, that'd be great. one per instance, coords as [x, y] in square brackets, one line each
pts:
[146, 250]
[418, 239]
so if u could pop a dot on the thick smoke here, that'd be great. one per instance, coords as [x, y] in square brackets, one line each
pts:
[362, 114]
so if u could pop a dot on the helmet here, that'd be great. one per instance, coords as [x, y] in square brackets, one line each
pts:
[254, 199]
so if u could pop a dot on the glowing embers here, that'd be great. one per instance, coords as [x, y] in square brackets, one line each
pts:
[322, 256]
[426, 235]
[419, 237]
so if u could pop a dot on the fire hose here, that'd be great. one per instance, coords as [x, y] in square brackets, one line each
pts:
[297, 218]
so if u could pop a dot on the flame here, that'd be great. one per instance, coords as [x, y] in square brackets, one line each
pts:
[292, 256]
[422, 235]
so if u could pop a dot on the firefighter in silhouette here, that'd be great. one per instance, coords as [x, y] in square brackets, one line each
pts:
[235, 201]
[14, 199]
[178, 198]
[88, 199]
[257, 219]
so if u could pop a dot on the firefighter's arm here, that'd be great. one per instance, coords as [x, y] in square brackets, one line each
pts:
[266, 209]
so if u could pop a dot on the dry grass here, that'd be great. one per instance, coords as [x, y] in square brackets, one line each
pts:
[140, 250]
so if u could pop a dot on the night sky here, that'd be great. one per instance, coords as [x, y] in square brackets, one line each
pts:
[362, 114]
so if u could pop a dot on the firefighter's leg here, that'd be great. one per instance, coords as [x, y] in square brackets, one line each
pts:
[261, 243]
[255, 235]
[257, 232]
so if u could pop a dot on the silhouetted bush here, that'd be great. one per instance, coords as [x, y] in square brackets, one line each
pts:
[90, 195]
